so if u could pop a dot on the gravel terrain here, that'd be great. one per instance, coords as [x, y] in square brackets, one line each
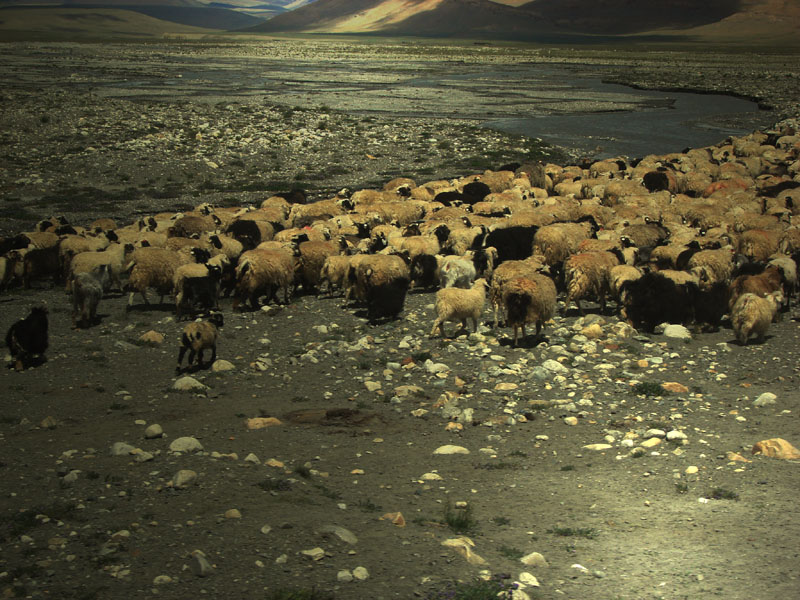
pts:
[284, 469]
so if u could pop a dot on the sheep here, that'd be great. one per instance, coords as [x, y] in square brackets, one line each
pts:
[334, 272]
[484, 260]
[512, 242]
[40, 257]
[263, 273]
[455, 304]
[769, 280]
[618, 276]
[198, 336]
[114, 257]
[381, 281]
[507, 271]
[712, 266]
[656, 298]
[312, 258]
[456, 271]
[759, 244]
[27, 339]
[152, 268]
[87, 290]
[196, 286]
[752, 314]
[555, 243]
[588, 273]
[71, 245]
[8, 268]
[424, 270]
[529, 300]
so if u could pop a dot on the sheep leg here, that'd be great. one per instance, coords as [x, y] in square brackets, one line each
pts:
[213, 354]
[181, 353]
[437, 324]
[474, 325]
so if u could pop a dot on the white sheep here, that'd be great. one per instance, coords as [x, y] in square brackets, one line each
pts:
[87, 290]
[113, 257]
[199, 336]
[263, 273]
[153, 268]
[588, 274]
[456, 304]
[455, 271]
[752, 314]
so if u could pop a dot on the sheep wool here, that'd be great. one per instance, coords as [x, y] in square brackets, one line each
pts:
[588, 274]
[153, 268]
[87, 290]
[529, 300]
[263, 273]
[455, 304]
[752, 314]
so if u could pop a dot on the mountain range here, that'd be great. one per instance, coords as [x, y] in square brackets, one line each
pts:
[775, 22]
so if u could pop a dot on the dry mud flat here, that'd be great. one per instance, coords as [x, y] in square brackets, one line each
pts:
[310, 502]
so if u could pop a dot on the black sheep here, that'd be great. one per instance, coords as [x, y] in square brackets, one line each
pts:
[27, 339]
[512, 243]
[654, 299]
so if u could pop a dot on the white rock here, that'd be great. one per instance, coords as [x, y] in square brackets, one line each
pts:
[183, 478]
[188, 384]
[528, 579]
[344, 576]
[153, 431]
[598, 447]
[221, 366]
[534, 559]
[765, 399]
[655, 433]
[372, 386]
[314, 554]
[121, 449]
[200, 565]
[162, 579]
[451, 449]
[252, 458]
[554, 366]
[185, 444]
[675, 435]
[360, 573]
[677, 332]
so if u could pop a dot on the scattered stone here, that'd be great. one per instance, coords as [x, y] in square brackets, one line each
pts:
[153, 431]
[314, 553]
[676, 436]
[183, 478]
[200, 565]
[360, 573]
[162, 580]
[463, 545]
[48, 423]
[185, 444]
[678, 332]
[121, 449]
[776, 448]
[261, 422]
[675, 387]
[188, 384]
[691, 470]
[655, 433]
[151, 338]
[534, 559]
[765, 399]
[344, 576]
[571, 420]
[598, 447]
[651, 443]
[222, 366]
[343, 534]
[528, 579]
[450, 449]
[396, 518]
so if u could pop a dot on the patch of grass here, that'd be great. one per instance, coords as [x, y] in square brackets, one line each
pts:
[723, 494]
[499, 586]
[369, 506]
[10, 420]
[649, 388]
[518, 453]
[584, 532]
[272, 484]
[118, 406]
[681, 487]
[498, 466]
[298, 594]
[501, 520]
[303, 471]
[92, 475]
[17, 524]
[568, 468]
[459, 520]
[419, 357]
[328, 493]
[300, 399]
[511, 553]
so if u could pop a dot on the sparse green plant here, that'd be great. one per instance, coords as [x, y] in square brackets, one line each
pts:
[584, 532]
[303, 471]
[298, 594]
[499, 586]
[681, 487]
[649, 388]
[518, 453]
[568, 468]
[418, 357]
[511, 553]
[369, 506]
[118, 406]
[459, 519]
[272, 484]
[501, 520]
[328, 493]
[723, 494]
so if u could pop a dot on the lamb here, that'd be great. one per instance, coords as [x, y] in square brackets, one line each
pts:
[153, 268]
[588, 273]
[113, 257]
[456, 271]
[752, 314]
[455, 304]
[27, 339]
[198, 336]
[87, 290]
[529, 300]
[263, 273]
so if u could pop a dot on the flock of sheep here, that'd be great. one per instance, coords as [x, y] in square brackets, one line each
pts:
[684, 238]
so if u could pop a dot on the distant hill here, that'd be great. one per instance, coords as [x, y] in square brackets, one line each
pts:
[734, 21]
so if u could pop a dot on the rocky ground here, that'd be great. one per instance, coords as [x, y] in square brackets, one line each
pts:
[284, 469]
